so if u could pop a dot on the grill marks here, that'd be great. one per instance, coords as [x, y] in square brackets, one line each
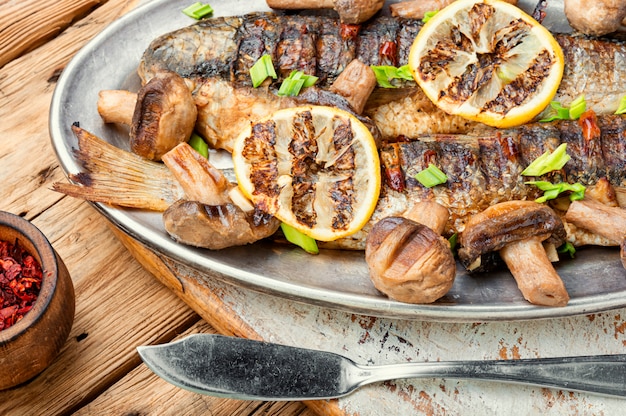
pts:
[317, 162]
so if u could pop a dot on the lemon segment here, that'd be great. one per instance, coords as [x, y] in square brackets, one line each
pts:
[315, 168]
[487, 61]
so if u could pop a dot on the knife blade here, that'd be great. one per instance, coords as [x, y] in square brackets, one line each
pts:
[550, 13]
[244, 369]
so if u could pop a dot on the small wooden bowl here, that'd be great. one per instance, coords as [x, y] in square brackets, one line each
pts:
[30, 345]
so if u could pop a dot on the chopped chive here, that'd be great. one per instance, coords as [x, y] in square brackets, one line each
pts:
[453, 241]
[300, 239]
[548, 162]
[296, 80]
[262, 69]
[553, 190]
[573, 112]
[567, 248]
[198, 10]
[431, 176]
[386, 73]
[199, 145]
[621, 109]
[429, 15]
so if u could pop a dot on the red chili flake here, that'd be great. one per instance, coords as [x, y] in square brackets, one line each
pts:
[388, 52]
[588, 121]
[349, 31]
[391, 166]
[20, 283]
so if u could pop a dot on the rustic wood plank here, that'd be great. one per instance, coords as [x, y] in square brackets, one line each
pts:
[141, 392]
[27, 24]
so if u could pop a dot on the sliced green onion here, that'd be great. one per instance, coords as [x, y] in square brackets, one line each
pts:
[573, 112]
[577, 108]
[567, 248]
[548, 162]
[199, 145]
[453, 241]
[429, 15]
[262, 69]
[553, 190]
[386, 73]
[198, 10]
[621, 109]
[296, 237]
[431, 176]
[296, 80]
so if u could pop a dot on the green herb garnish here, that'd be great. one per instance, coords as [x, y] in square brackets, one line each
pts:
[386, 73]
[262, 69]
[296, 80]
[296, 237]
[198, 10]
[573, 112]
[621, 109]
[567, 248]
[429, 15]
[553, 190]
[548, 162]
[431, 176]
[199, 145]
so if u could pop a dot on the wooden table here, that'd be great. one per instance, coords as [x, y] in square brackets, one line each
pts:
[121, 305]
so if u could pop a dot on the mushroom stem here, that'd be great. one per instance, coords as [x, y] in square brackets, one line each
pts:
[416, 9]
[116, 106]
[355, 83]
[601, 219]
[350, 11]
[536, 278]
[429, 213]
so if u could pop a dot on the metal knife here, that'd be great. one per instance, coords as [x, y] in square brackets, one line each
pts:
[550, 13]
[239, 368]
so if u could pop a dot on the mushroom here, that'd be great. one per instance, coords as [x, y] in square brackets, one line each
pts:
[216, 226]
[517, 229]
[163, 114]
[409, 261]
[350, 11]
[597, 18]
[355, 83]
[604, 220]
[622, 252]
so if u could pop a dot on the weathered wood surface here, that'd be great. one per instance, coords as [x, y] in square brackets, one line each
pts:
[121, 305]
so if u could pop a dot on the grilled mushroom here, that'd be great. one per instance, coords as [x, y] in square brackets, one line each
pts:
[355, 83]
[163, 114]
[517, 229]
[350, 11]
[607, 221]
[216, 226]
[409, 261]
[597, 18]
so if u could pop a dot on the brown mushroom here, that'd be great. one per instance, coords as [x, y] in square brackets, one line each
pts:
[604, 220]
[216, 226]
[355, 83]
[597, 18]
[350, 11]
[622, 252]
[163, 114]
[517, 229]
[408, 261]
[416, 9]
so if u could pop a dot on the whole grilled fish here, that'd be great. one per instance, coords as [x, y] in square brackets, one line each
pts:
[482, 169]
[218, 53]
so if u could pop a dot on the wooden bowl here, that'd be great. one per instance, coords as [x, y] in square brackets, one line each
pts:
[30, 345]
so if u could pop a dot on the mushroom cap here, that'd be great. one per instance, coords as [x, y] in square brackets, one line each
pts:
[357, 11]
[165, 116]
[595, 18]
[506, 222]
[408, 261]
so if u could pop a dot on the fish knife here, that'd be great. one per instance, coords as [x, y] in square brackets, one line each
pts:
[244, 369]
[550, 13]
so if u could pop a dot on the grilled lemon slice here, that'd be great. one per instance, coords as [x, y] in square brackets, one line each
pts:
[315, 168]
[487, 61]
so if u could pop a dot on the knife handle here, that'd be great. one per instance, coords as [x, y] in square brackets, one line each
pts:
[603, 374]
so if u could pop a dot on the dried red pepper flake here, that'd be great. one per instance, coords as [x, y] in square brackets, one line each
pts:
[20, 282]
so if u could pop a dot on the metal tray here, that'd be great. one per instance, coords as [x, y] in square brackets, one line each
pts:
[595, 279]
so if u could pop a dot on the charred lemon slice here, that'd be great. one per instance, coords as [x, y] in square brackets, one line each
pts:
[487, 61]
[315, 168]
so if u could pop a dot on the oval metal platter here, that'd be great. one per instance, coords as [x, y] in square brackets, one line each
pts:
[595, 279]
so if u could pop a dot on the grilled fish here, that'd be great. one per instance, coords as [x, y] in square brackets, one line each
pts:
[218, 53]
[482, 168]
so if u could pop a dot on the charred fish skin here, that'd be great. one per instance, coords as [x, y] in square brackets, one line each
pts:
[320, 45]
